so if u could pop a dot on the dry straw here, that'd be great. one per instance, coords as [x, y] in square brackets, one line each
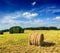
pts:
[36, 39]
[31, 39]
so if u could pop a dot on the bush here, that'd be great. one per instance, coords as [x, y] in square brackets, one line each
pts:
[16, 29]
[1, 32]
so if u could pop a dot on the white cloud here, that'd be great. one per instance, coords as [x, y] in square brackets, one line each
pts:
[29, 15]
[56, 10]
[13, 15]
[50, 9]
[33, 3]
[38, 21]
[35, 22]
[16, 15]
[11, 22]
[56, 18]
[11, 18]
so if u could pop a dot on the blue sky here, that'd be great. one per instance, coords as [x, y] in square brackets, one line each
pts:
[29, 13]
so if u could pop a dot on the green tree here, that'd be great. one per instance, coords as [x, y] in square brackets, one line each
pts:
[1, 32]
[16, 29]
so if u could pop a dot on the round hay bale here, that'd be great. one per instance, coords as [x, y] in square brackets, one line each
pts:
[36, 39]
[31, 39]
[39, 39]
[42, 37]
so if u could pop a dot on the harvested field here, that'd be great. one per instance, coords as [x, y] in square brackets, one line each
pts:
[19, 43]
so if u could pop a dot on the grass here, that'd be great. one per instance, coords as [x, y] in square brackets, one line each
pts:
[18, 43]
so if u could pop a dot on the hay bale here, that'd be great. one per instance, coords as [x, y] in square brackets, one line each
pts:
[31, 39]
[40, 39]
[35, 39]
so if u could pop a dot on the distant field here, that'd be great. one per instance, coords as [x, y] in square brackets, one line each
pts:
[18, 43]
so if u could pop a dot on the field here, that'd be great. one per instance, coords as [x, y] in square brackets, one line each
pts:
[18, 43]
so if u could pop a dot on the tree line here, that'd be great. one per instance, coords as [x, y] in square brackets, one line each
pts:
[18, 29]
[42, 28]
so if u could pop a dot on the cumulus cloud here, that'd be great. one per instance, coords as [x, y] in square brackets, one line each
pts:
[56, 18]
[33, 3]
[13, 19]
[29, 15]
[20, 14]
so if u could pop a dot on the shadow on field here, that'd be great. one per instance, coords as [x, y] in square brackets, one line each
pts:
[47, 44]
